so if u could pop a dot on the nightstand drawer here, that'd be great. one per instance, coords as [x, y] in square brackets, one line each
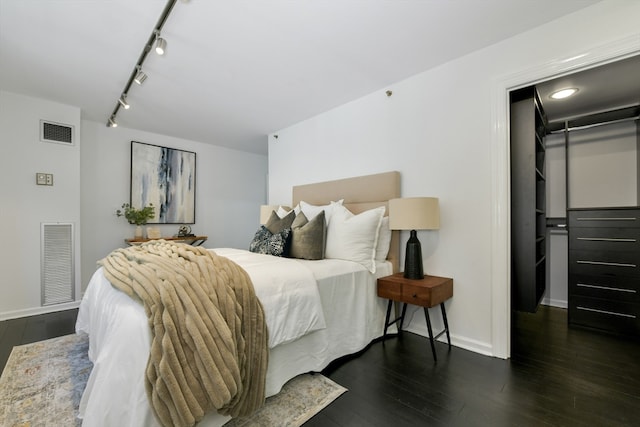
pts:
[424, 296]
[416, 295]
[390, 289]
[428, 292]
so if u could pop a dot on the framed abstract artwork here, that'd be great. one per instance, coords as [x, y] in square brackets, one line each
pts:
[166, 178]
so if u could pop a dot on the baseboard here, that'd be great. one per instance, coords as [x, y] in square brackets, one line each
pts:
[39, 310]
[456, 340]
[555, 303]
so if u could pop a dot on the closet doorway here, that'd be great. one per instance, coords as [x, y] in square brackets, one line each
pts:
[591, 159]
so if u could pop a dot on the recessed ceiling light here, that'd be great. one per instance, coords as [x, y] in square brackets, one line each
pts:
[563, 93]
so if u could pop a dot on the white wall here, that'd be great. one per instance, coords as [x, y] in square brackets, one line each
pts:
[26, 205]
[230, 187]
[437, 131]
[91, 180]
[603, 166]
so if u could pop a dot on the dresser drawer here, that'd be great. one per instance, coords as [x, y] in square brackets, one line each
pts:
[611, 316]
[626, 218]
[625, 289]
[604, 263]
[608, 239]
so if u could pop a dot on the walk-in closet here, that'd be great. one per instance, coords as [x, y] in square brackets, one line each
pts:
[575, 196]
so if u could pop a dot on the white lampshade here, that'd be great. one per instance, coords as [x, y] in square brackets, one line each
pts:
[414, 213]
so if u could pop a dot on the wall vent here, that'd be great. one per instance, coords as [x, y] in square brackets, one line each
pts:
[57, 266]
[56, 132]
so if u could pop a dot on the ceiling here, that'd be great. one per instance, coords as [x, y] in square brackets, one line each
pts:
[236, 71]
[614, 86]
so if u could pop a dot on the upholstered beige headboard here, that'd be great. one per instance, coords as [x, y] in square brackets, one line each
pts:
[359, 194]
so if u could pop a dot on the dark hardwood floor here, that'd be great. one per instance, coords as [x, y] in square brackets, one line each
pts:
[557, 376]
[26, 330]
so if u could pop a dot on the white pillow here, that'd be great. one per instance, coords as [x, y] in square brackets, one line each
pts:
[282, 212]
[354, 237]
[310, 211]
[384, 240]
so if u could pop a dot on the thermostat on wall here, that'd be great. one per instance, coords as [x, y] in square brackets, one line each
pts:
[44, 178]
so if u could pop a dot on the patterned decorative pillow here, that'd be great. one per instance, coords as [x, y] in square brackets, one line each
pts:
[265, 242]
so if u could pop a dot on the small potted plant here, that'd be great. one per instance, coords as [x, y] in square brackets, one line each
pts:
[139, 217]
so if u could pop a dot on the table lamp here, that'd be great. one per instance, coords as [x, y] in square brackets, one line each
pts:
[414, 213]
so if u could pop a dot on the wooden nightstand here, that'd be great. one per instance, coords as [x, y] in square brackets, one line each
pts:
[427, 293]
[191, 240]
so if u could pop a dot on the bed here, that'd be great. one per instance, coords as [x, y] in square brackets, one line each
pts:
[351, 315]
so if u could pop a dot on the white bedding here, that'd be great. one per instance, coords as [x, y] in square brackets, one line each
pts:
[351, 316]
[291, 302]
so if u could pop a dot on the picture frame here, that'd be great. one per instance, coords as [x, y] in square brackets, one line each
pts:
[166, 178]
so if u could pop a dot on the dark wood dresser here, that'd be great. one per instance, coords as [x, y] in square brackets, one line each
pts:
[604, 271]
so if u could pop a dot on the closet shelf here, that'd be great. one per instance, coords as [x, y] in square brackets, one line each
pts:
[601, 118]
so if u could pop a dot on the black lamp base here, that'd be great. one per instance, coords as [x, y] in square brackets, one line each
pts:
[413, 258]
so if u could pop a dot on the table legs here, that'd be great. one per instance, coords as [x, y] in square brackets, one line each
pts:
[433, 347]
[446, 323]
[432, 339]
[446, 330]
[400, 319]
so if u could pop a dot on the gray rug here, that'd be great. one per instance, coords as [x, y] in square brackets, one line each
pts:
[42, 384]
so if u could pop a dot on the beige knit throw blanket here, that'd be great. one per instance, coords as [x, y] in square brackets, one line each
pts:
[209, 338]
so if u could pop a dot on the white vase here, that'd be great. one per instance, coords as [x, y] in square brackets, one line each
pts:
[138, 234]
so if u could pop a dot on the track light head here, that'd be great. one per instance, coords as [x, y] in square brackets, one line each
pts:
[123, 102]
[161, 45]
[112, 122]
[140, 77]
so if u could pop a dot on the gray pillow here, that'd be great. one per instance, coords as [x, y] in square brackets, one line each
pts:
[268, 243]
[275, 224]
[308, 238]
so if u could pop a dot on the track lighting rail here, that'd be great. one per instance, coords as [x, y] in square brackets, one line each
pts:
[137, 75]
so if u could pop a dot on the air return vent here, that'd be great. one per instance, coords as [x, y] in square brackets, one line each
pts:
[56, 132]
[57, 263]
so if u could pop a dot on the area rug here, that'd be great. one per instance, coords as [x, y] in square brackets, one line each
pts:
[42, 384]
[299, 400]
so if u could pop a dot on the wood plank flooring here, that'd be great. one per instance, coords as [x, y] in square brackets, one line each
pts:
[557, 376]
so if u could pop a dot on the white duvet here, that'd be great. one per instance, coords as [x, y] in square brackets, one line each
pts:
[291, 302]
[303, 339]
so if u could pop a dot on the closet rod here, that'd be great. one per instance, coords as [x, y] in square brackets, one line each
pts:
[608, 122]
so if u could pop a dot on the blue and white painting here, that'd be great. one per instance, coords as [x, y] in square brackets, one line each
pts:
[166, 178]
